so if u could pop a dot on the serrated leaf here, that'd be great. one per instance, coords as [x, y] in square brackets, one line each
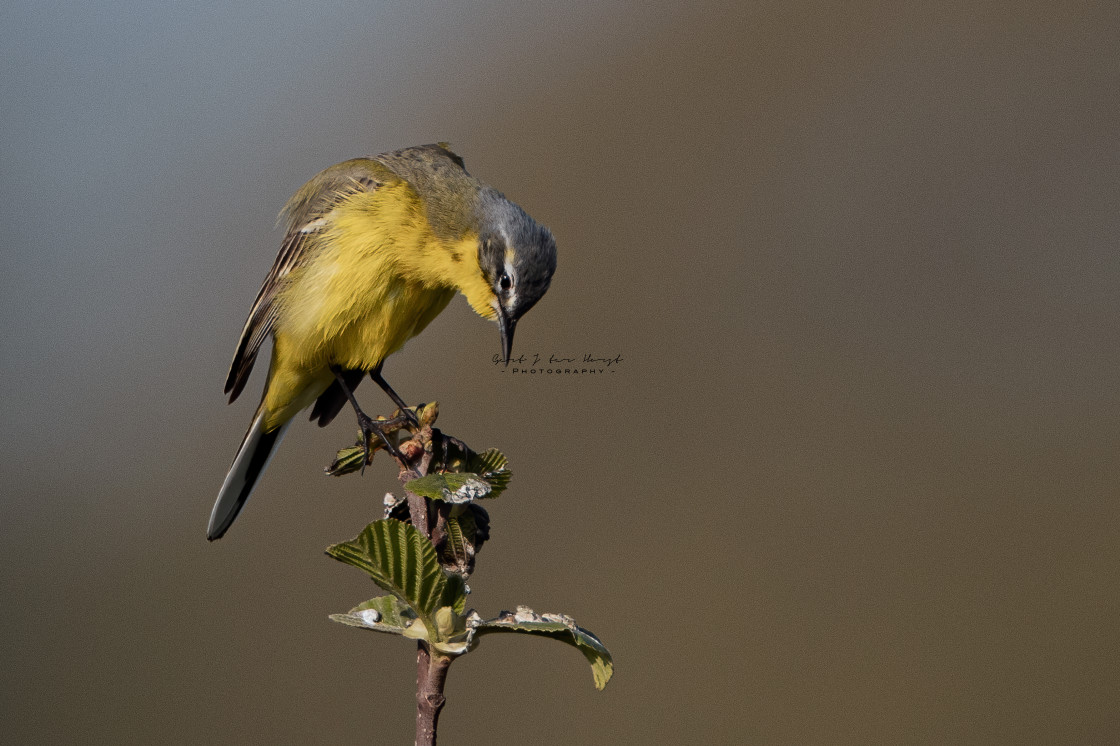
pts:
[493, 467]
[455, 592]
[557, 626]
[456, 540]
[403, 561]
[382, 614]
[458, 551]
[348, 461]
[490, 461]
[450, 487]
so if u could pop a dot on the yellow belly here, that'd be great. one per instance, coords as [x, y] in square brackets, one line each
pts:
[354, 303]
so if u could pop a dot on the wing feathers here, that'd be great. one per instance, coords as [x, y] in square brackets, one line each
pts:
[306, 216]
[331, 401]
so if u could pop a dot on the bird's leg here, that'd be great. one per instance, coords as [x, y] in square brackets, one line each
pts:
[369, 426]
[375, 374]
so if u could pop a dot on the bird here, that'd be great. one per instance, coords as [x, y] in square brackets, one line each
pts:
[374, 249]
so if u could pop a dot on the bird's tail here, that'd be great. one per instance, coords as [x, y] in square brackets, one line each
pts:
[252, 459]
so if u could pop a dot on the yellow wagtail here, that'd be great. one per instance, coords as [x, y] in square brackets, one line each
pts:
[375, 248]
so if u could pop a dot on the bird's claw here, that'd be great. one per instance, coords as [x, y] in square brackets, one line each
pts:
[381, 428]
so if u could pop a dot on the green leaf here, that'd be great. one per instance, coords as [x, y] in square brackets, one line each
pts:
[492, 466]
[454, 592]
[456, 541]
[557, 626]
[390, 615]
[455, 638]
[458, 551]
[403, 561]
[485, 475]
[382, 614]
[450, 487]
[348, 461]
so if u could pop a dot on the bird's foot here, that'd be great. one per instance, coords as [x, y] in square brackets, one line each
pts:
[382, 429]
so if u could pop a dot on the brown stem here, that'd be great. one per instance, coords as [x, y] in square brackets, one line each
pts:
[417, 457]
[439, 530]
[431, 673]
[418, 512]
[431, 668]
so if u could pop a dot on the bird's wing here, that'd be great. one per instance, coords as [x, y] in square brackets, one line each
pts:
[305, 216]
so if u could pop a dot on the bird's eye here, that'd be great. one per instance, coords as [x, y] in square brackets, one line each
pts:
[505, 281]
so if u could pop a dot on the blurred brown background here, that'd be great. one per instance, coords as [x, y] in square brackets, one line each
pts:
[855, 480]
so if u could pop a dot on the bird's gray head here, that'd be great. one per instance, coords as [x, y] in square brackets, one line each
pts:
[517, 257]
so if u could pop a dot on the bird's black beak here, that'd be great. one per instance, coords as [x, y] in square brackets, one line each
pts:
[506, 325]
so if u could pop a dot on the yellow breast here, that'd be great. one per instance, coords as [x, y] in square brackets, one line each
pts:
[375, 276]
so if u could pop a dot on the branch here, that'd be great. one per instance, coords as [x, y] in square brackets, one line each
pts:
[424, 559]
[431, 673]
[417, 453]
